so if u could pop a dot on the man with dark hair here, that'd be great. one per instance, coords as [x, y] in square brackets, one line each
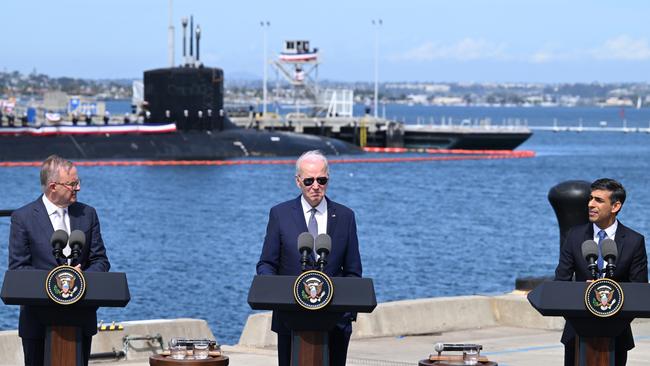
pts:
[605, 202]
[29, 248]
[315, 213]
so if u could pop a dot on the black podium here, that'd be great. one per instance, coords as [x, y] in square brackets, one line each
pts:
[63, 335]
[309, 343]
[595, 335]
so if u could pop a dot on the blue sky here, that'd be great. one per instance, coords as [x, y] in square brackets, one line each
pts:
[459, 40]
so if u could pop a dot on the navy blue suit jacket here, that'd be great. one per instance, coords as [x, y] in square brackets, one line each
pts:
[631, 266]
[29, 248]
[280, 254]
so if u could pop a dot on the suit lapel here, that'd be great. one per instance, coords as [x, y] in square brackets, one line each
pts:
[299, 216]
[42, 218]
[331, 217]
[73, 214]
[619, 238]
[589, 233]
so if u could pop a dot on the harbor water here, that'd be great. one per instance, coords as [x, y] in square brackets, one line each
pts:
[189, 237]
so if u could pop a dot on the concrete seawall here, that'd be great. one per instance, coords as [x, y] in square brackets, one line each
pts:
[396, 334]
[108, 341]
[424, 316]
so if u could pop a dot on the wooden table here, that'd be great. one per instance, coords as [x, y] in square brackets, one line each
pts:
[160, 360]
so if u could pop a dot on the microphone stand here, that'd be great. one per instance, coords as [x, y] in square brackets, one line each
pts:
[609, 269]
[322, 260]
[304, 259]
[74, 254]
[58, 254]
[593, 268]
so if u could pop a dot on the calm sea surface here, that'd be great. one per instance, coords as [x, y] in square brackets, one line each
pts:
[189, 237]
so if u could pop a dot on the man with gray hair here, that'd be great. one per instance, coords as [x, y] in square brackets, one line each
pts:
[29, 247]
[315, 213]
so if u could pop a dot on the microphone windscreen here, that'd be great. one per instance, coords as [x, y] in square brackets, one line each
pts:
[305, 242]
[609, 249]
[323, 243]
[59, 237]
[589, 249]
[77, 237]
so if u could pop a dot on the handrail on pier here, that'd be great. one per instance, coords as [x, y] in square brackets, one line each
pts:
[5, 213]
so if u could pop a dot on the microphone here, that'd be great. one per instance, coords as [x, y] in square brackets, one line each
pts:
[305, 247]
[58, 240]
[590, 254]
[77, 242]
[439, 347]
[610, 252]
[323, 247]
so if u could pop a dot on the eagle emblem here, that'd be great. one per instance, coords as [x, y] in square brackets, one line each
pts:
[605, 295]
[314, 289]
[65, 282]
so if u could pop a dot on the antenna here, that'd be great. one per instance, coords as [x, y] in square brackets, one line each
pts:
[192, 38]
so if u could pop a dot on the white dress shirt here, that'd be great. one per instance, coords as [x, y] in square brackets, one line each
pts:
[320, 215]
[52, 212]
[610, 231]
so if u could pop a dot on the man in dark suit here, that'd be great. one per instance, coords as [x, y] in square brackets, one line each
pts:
[29, 248]
[312, 211]
[607, 198]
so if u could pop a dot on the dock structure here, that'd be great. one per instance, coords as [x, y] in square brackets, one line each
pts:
[398, 333]
[590, 129]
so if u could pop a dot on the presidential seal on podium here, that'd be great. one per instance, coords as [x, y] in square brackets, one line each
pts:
[604, 297]
[313, 290]
[65, 285]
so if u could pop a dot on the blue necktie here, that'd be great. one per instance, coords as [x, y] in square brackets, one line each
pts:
[601, 235]
[313, 228]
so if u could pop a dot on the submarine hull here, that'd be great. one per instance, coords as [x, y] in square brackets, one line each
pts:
[181, 145]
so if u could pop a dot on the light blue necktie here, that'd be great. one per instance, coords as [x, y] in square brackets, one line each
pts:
[601, 235]
[313, 224]
[313, 229]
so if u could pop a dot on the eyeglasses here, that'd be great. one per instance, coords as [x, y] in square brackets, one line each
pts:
[309, 181]
[70, 185]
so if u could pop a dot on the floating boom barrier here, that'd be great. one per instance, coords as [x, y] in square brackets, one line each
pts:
[442, 155]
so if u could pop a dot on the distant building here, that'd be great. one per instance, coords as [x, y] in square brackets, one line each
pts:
[617, 102]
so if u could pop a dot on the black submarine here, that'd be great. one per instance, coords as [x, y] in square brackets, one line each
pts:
[185, 120]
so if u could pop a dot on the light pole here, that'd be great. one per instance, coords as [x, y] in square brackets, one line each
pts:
[265, 24]
[198, 37]
[170, 36]
[184, 23]
[377, 24]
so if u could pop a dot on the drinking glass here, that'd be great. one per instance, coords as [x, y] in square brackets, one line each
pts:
[176, 351]
[201, 350]
[470, 356]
